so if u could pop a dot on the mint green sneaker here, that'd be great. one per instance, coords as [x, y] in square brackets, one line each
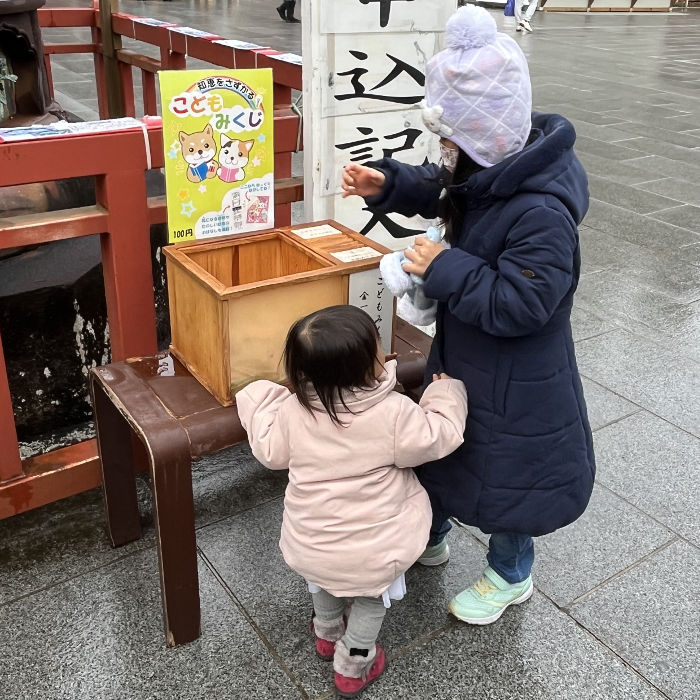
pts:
[485, 601]
[435, 555]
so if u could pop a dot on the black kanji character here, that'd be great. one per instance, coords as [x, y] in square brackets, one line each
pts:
[365, 152]
[394, 229]
[384, 9]
[400, 67]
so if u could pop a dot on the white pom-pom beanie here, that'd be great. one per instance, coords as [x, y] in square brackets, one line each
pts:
[477, 90]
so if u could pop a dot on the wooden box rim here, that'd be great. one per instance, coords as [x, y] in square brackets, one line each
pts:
[179, 254]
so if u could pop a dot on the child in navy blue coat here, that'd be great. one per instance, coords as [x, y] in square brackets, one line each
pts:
[510, 193]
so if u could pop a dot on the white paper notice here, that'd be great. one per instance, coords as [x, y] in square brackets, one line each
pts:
[191, 31]
[289, 58]
[363, 253]
[153, 22]
[237, 44]
[367, 291]
[63, 128]
[316, 231]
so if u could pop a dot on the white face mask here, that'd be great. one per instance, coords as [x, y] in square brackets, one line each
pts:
[449, 157]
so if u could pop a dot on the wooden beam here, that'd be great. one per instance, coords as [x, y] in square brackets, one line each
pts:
[10, 465]
[66, 17]
[32, 229]
[50, 477]
[54, 49]
[111, 42]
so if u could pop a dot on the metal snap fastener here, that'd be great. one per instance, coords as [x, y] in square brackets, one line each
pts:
[528, 273]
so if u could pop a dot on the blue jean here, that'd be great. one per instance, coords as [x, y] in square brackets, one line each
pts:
[510, 554]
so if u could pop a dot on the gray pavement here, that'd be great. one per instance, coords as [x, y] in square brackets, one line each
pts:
[616, 613]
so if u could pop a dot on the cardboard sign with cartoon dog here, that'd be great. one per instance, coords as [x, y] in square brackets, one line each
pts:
[219, 155]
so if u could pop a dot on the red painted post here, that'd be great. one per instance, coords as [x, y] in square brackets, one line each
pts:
[49, 74]
[102, 105]
[169, 60]
[10, 464]
[283, 161]
[148, 84]
[127, 88]
[126, 263]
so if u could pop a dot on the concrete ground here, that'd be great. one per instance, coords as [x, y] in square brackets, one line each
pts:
[616, 613]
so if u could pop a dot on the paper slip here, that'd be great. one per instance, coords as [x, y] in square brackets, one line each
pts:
[316, 231]
[39, 131]
[153, 22]
[236, 44]
[191, 31]
[347, 256]
[289, 58]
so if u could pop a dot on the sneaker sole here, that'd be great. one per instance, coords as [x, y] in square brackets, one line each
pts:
[436, 560]
[492, 618]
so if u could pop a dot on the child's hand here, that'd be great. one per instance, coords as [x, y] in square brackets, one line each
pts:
[442, 375]
[361, 180]
[423, 252]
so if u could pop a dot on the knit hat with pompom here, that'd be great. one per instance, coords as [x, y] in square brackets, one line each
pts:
[477, 90]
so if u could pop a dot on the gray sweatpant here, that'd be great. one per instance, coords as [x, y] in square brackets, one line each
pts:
[364, 620]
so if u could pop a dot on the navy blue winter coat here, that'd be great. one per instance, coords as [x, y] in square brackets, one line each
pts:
[505, 292]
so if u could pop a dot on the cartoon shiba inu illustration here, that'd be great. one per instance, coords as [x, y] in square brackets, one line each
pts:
[198, 150]
[233, 157]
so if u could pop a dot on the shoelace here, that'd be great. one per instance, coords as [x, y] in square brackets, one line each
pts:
[483, 587]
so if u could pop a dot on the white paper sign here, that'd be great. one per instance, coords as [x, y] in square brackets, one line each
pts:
[191, 31]
[153, 22]
[360, 138]
[63, 128]
[364, 77]
[316, 231]
[377, 72]
[289, 58]
[236, 44]
[356, 254]
[366, 290]
[345, 16]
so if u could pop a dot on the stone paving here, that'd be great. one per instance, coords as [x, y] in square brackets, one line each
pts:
[616, 613]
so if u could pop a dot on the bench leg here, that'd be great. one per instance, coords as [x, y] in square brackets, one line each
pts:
[114, 436]
[173, 515]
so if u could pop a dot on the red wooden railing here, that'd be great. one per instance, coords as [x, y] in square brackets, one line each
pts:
[122, 214]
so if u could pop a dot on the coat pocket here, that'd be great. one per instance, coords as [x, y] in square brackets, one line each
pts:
[500, 385]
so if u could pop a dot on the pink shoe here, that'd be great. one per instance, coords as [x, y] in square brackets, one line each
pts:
[348, 687]
[325, 649]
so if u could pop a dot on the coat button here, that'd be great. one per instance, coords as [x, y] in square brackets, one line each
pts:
[528, 273]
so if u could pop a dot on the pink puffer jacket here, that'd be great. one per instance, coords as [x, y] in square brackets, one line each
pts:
[355, 516]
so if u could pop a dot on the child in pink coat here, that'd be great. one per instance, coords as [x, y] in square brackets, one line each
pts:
[349, 442]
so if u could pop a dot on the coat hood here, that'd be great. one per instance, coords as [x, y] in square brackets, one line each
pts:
[360, 399]
[546, 165]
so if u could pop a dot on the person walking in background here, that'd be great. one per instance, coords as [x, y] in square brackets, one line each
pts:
[355, 516]
[510, 193]
[286, 11]
[522, 19]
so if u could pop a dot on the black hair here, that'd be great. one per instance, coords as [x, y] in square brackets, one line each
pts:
[331, 350]
[451, 209]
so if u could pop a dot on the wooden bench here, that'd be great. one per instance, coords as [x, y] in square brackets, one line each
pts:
[152, 415]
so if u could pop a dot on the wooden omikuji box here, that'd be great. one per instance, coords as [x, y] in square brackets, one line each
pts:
[233, 300]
